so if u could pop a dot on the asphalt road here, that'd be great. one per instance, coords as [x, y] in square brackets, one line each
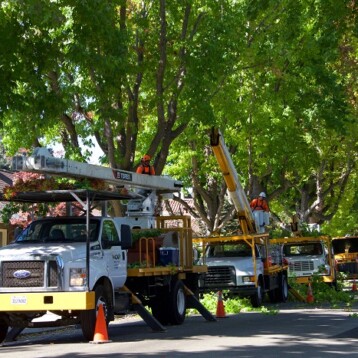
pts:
[291, 333]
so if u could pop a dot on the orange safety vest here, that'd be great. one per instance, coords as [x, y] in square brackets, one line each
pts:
[145, 169]
[258, 204]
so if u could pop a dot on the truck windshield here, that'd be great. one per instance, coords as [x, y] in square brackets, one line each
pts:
[229, 250]
[58, 231]
[341, 246]
[303, 249]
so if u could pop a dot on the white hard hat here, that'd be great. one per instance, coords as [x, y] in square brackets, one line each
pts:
[262, 194]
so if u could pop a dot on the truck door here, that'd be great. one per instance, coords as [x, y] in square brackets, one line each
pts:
[114, 256]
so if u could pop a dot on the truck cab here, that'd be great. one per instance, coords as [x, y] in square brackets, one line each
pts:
[245, 266]
[51, 255]
[307, 256]
[231, 265]
[346, 255]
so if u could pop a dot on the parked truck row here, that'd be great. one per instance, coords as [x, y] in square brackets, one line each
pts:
[250, 264]
[70, 265]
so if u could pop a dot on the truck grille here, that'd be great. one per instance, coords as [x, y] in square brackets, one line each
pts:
[301, 266]
[220, 276]
[29, 274]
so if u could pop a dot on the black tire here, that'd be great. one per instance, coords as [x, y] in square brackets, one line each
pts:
[177, 303]
[258, 297]
[88, 318]
[3, 330]
[282, 290]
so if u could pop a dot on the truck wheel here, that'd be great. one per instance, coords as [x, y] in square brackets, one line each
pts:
[177, 303]
[3, 330]
[282, 291]
[88, 318]
[258, 297]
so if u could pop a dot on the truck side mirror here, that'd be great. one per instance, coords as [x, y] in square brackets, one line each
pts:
[126, 237]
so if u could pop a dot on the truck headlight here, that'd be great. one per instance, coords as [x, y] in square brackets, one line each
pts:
[78, 277]
[248, 279]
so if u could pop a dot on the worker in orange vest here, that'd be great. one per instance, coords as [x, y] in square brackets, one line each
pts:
[261, 212]
[145, 167]
[260, 203]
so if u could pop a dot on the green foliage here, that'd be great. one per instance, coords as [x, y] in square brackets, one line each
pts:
[279, 232]
[138, 234]
[323, 292]
[279, 79]
[8, 211]
[232, 305]
[345, 222]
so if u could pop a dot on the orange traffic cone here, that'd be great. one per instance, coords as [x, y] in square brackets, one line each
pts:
[354, 286]
[220, 309]
[310, 298]
[100, 331]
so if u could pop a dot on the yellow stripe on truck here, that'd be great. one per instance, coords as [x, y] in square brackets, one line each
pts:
[39, 301]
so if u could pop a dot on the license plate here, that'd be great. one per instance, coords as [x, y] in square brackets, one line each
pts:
[18, 300]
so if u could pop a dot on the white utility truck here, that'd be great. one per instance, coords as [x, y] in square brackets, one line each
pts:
[246, 265]
[70, 265]
[308, 256]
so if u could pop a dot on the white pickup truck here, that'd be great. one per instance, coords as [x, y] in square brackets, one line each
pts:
[244, 266]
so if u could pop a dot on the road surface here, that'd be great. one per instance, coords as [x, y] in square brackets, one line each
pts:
[291, 333]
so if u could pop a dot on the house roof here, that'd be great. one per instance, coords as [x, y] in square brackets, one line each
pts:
[6, 178]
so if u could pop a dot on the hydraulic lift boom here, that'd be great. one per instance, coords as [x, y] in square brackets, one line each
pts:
[236, 192]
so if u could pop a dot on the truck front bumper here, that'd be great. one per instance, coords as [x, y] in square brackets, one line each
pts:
[46, 301]
[307, 279]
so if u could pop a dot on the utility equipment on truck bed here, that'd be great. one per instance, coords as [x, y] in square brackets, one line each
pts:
[246, 265]
[146, 187]
[71, 265]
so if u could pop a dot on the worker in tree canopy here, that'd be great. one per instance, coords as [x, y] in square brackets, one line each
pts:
[260, 203]
[145, 167]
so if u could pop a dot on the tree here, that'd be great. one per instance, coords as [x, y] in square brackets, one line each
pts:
[144, 76]
[290, 121]
[107, 69]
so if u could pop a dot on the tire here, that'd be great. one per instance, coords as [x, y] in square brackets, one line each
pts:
[177, 303]
[258, 297]
[3, 330]
[88, 318]
[282, 290]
